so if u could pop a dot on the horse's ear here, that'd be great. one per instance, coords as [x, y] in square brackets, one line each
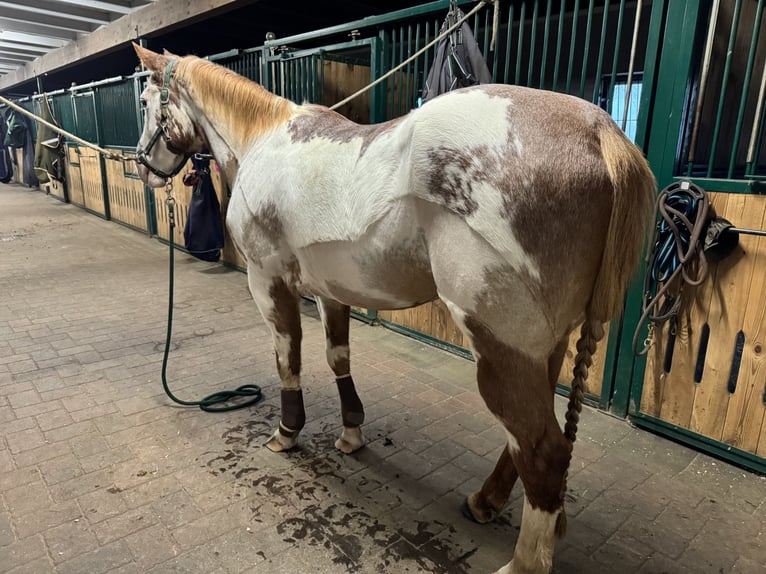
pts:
[169, 54]
[150, 60]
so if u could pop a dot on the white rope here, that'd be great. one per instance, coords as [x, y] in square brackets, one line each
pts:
[416, 55]
[108, 154]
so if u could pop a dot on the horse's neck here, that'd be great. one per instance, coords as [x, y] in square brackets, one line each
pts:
[232, 133]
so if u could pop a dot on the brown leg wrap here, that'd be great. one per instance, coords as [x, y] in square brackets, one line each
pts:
[293, 413]
[350, 406]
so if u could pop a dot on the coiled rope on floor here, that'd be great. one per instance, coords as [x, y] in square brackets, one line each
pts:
[208, 403]
[676, 257]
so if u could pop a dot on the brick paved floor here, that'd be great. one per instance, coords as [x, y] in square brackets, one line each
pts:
[100, 473]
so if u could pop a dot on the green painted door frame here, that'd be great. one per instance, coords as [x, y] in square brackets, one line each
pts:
[680, 27]
[675, 28]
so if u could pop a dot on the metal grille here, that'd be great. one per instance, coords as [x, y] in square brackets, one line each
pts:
[581, 47]
[116, 105]
[85, 116]
[726, 128]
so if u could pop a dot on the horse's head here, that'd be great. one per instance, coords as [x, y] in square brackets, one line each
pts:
[170, 135]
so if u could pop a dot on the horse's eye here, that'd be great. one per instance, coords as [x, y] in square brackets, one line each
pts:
[143, 103]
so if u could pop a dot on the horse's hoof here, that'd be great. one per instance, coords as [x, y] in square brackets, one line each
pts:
[481, 517]
[280, 443]
[351, 440]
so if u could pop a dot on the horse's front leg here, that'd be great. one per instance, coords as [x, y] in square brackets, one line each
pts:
[279, 305]
[335, 318]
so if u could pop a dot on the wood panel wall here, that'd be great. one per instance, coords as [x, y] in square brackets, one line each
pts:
[127, 197]
[340, 81]
[731, 300]
[74, 181]
[92, 182]
[55, 188]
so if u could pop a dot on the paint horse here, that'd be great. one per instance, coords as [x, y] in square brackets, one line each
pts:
[524, 211]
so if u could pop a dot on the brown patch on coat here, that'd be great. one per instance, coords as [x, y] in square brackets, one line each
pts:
[322, 123]
[516, 389]
[268, 219]
[402, 270]
[336, 324]
[287, 322]
[554, 188]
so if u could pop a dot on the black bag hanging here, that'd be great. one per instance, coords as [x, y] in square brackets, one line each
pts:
[459, 62]
[203, 232]
[6, 164]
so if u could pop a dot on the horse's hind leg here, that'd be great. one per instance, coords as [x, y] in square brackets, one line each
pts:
[516, 387]
[335, 318]
[485, 505]
[279, 305]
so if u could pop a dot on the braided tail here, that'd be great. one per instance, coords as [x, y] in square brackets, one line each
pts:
[632, 202]
[591, 333]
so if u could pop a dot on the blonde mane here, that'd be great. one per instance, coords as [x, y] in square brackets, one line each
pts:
[245, 107]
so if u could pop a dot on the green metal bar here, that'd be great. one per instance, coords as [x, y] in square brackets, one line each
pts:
[600, 61]
[418, 336]
[379, 97]
[495, 47]
[753, 167]
[321, 95]
[572, 44]
[615, 58]
[368, 22]
[716, 448]
[532, 38]
[400, 91]
[559, 40]
[651, 67]
[586, 50]
[487, 35]
[520, 44]
[267, 80]
[749, 186]
[724, 86]
[392, 80]
[300, 83]
[508, 45]
[409, 82]
[588, 399]
[426, 59]
[417, 63]
[546, 37]
[746, 86]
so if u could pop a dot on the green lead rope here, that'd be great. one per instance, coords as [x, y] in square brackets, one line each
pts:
[208, 403]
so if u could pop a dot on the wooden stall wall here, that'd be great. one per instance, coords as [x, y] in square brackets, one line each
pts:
[727, 402]
[92, 182]
[127, 195]
[55, 188]
[74, 180]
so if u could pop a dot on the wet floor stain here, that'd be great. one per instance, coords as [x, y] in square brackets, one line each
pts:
[327, 507]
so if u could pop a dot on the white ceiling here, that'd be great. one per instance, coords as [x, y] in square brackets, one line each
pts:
[31, 28]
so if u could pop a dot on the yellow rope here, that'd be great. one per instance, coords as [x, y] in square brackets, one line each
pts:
[108, 154]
